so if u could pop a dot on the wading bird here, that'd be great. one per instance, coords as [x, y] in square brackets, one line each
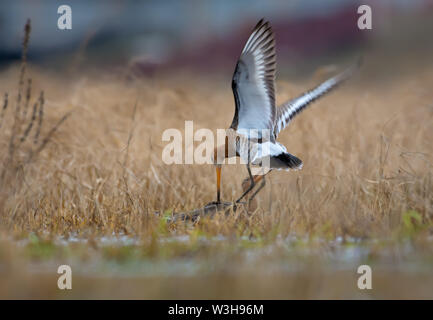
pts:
[257, 122]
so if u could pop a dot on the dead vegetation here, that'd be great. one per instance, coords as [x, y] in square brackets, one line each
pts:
[21, 129]
[367, 153]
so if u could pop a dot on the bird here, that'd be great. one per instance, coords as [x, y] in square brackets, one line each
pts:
[257, 121]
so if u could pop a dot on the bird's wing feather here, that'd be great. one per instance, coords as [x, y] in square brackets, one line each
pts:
[254, 81]
[288, 110]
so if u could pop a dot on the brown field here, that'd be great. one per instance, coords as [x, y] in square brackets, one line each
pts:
[89, 196]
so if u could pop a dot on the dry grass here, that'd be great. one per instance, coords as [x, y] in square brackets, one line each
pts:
[367, 152]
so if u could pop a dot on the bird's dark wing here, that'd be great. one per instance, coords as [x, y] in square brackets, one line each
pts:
[254, 81]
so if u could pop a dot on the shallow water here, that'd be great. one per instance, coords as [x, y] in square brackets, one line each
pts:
[186, 266]
[289, 254]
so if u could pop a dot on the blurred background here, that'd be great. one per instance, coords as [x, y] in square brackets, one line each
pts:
[155, 36]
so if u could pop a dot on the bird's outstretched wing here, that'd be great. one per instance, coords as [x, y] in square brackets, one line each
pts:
[288, 110]
[254, 81]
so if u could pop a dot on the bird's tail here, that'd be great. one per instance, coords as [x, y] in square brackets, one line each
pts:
[285, 161]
